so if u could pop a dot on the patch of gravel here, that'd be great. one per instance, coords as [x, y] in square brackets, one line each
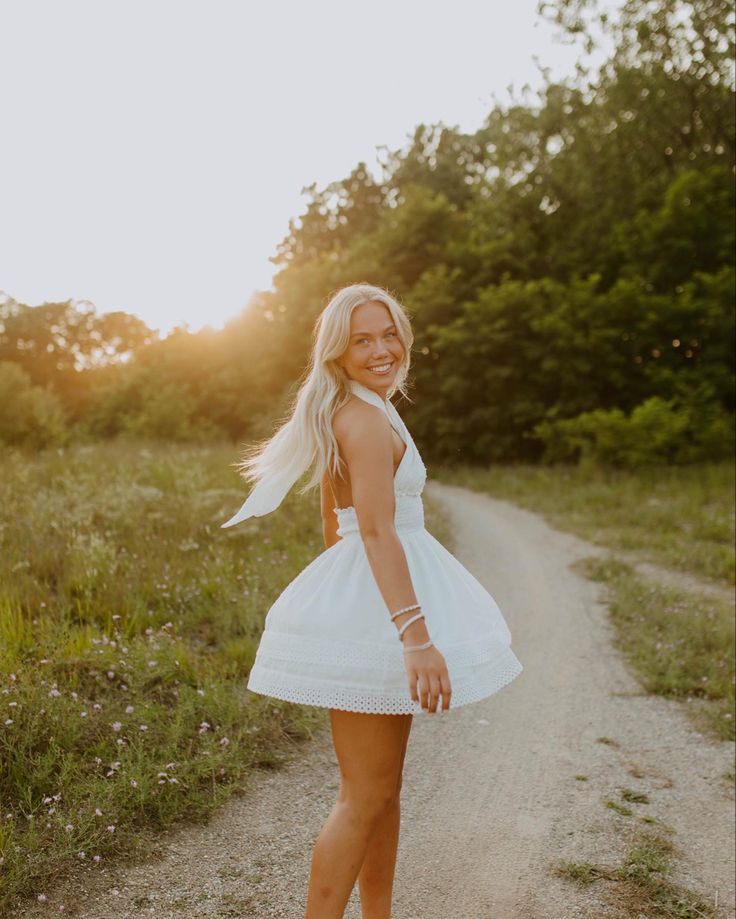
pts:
[490, 801]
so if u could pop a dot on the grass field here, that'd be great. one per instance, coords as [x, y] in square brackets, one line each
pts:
[129, 621]
[128, 624]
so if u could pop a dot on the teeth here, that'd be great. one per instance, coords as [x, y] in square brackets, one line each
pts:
[381, 369]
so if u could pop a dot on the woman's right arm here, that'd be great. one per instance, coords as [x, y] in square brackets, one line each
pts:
[364, 436]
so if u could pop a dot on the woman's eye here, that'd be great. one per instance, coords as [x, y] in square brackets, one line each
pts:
[388, 334]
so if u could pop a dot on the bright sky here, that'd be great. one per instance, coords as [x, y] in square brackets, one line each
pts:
[154, 151]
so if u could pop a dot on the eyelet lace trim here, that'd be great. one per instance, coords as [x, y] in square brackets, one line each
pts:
[468, 685]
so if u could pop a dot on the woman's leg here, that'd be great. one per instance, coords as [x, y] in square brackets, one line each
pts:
[377, 871]
[369, 751]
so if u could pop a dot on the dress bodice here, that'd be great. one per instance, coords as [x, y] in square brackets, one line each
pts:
[409, 478]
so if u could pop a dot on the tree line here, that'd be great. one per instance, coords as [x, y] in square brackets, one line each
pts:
[568, 268]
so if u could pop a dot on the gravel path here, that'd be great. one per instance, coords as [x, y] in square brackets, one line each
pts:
[490, 798]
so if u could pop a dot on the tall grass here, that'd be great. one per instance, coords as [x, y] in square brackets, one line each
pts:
[128, 624]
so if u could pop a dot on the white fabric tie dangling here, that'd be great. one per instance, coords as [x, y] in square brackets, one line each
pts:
[268, 494]
[265, 497]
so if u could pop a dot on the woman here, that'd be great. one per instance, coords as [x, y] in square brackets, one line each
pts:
[385, 622]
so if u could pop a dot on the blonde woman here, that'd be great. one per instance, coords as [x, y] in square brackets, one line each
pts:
[385, 623]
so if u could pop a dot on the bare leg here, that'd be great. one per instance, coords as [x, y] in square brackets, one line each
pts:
[370, 750]
[377, 871]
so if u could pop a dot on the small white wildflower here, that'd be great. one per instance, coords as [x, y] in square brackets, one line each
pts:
[117, 726]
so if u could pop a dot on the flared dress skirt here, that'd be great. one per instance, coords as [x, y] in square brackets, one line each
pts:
[328, 639]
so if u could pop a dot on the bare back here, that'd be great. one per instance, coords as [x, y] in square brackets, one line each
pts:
[348, 415]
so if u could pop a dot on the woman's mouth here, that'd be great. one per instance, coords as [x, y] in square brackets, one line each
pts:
[381, 369]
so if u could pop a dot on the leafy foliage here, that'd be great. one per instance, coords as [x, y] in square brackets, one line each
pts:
[572, 258]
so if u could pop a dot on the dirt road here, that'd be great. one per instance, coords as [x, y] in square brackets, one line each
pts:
[491, 800]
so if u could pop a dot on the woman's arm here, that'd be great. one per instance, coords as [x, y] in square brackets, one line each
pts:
[329, 517]
[364, 436]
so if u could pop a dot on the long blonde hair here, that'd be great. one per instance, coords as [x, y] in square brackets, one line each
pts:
[306, 439]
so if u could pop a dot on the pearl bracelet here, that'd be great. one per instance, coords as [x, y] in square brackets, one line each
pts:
[427, 644]
[408, 622]
[406, 609]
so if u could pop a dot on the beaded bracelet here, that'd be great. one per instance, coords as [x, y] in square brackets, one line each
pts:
[406, 609]
[427, 644]
[408, 622]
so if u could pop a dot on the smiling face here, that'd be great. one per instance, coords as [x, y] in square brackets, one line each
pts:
[375, 352]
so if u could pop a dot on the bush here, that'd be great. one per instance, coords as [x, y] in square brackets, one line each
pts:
[676, 431]
[29, 415]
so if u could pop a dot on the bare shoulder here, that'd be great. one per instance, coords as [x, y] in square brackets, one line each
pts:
[357, 419]
[363, 433]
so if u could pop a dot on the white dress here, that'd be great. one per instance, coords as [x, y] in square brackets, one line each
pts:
[329, 640]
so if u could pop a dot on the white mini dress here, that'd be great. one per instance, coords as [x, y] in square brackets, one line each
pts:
[329, 641]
